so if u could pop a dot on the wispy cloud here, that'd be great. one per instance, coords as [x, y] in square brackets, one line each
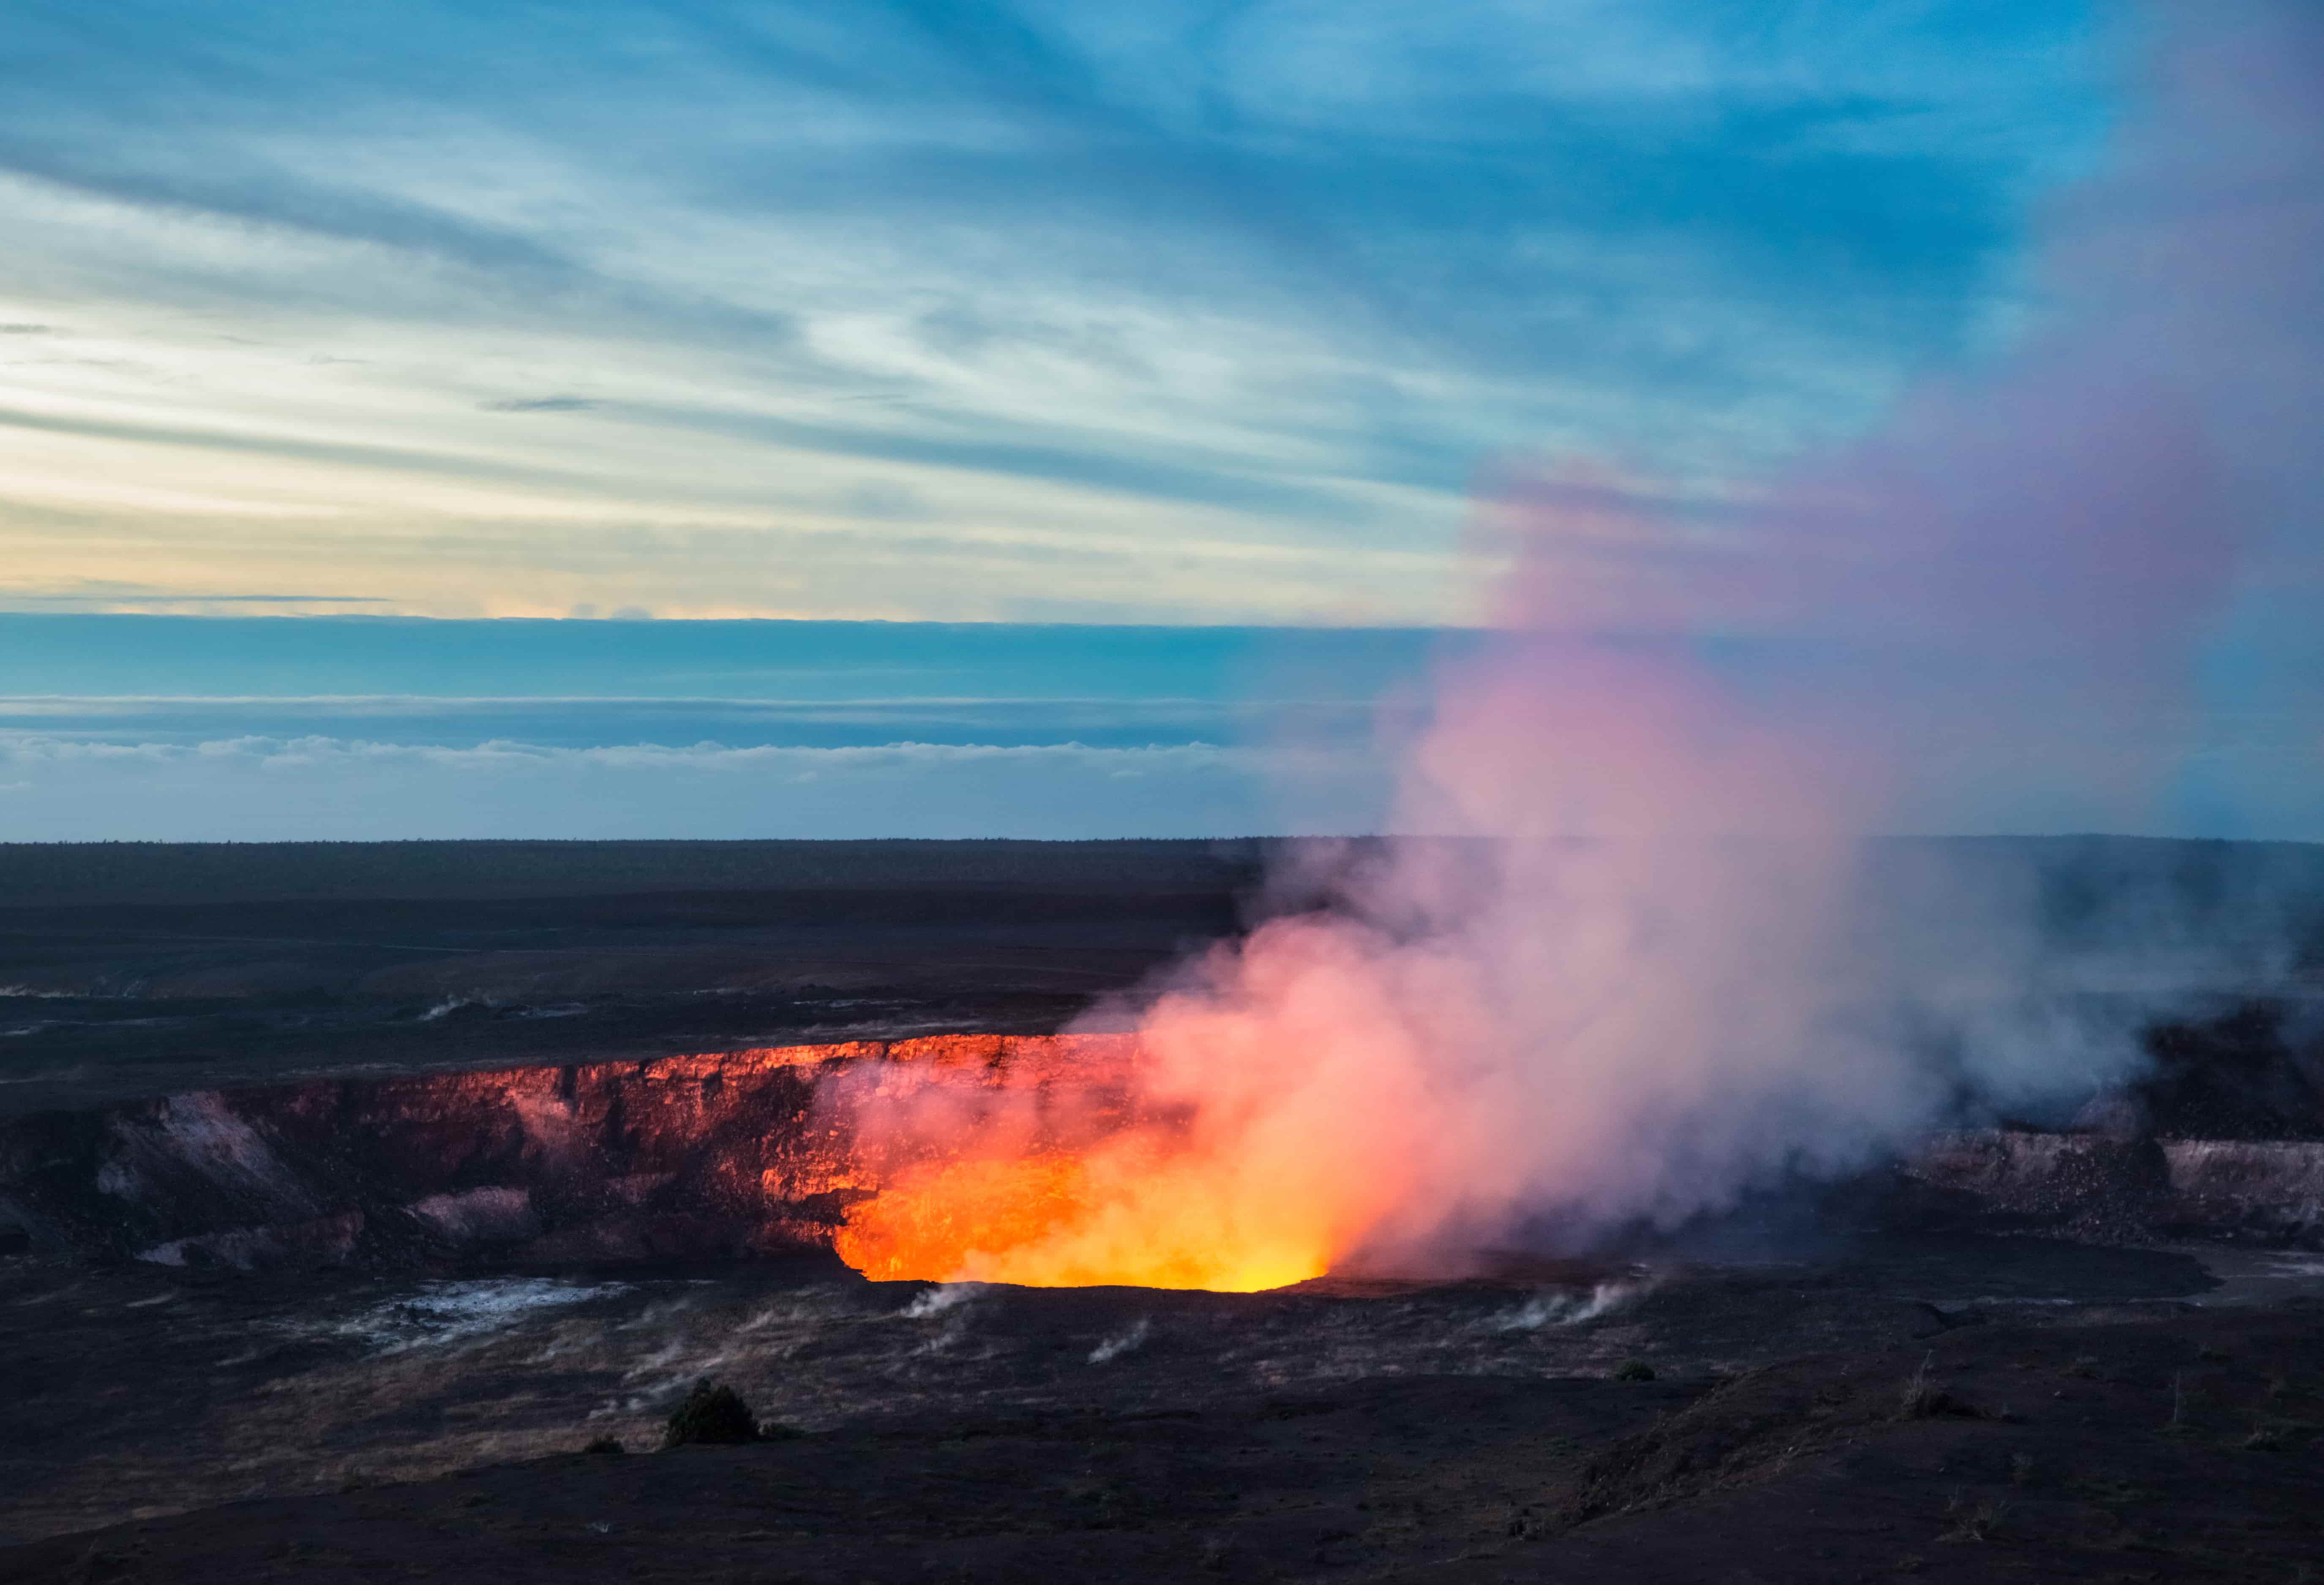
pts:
[540, 404]
[1149, 310]
[117, 598]
[119, 594]
[323, 788]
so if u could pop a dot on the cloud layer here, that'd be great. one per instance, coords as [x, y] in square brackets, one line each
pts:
[322, 788]
[983, 309]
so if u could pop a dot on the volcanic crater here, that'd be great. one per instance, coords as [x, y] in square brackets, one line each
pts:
[322, 1314]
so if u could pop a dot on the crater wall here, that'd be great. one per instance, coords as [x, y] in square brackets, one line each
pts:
[677, 1157]
[2269, 1190]
[758, 1152]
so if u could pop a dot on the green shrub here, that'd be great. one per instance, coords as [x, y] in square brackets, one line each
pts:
[1633, 1371]
[716, 1416]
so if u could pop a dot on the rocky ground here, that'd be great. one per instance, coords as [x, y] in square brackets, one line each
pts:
[1964, 1407]
[2006, 1367]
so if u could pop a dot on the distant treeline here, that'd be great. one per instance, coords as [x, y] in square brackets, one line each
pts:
[38, 873]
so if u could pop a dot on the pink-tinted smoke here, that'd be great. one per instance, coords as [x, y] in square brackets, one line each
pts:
[1626, 977]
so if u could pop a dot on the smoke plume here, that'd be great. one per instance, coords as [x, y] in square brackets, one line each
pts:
[1646, 958]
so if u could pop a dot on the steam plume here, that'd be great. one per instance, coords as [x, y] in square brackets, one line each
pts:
[1636, 969]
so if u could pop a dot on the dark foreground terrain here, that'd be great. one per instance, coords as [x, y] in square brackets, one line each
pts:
[1960, 1408]
[295, 1284]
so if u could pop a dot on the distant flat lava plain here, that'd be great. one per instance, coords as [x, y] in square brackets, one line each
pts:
[2033, 1358]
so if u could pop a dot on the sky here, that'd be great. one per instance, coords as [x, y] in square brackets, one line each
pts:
[983, 419]
[360, 728]
[1162, 311]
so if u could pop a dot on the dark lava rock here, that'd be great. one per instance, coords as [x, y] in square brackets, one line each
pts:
[2251, 1072]
[2182, 1447]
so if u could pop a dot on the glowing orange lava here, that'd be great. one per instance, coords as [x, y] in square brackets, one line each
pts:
[1128, 1211]
[940, 1217]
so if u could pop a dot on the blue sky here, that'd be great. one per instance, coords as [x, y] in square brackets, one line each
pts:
[259, 728]
[1149, 311]
[1114, 402]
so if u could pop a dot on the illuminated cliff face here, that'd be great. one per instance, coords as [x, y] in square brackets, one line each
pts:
[732, 1153]
[1037, 1160]
[1006, 1158]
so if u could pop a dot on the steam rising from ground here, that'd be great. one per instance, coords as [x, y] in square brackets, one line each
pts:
[1128, 1339]
[1553, 1308]
[1647, 960]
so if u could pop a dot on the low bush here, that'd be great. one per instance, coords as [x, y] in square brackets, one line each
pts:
[1923, 1399]
[715, 1415]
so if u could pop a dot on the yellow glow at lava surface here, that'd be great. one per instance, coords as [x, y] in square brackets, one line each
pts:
[1123, 1214]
